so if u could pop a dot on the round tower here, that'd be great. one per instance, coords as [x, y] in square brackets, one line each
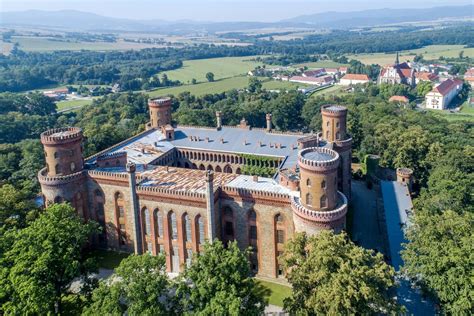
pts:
[334, 122]
[335, 132]
[405, 175]
[320, 205]
[160, 112]
[63, 178]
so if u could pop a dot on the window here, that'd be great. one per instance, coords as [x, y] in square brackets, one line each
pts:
[253, 232]
[323, 201]
[327, 123]
[308, 182]
[57, 168]
[56, 155]
[323, 184]
[159, 223]
[309, 199]
[229, 229]
[174, 226]
[73, 166]
[338, 135]
[280, 236]
[200, 223]
[279, 218]
[146, 215]
[187, 226]
[337, 124]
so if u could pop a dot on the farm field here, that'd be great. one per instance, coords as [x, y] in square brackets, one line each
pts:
[41, 44]
[72, 104]
[428, 52]
[221, 68]
[238, 82]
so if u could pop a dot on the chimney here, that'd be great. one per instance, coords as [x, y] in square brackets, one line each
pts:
[219, 120]
[255, 178]
[269, 122]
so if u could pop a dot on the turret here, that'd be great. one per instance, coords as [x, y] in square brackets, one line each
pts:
[63, 151]
[268, 117]
[334, 122]
[63, 178]
[335, 131]
[320, 206]
[160, 112]
[405, 175]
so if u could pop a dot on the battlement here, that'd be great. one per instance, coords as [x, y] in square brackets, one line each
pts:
[61, 135]
[262, 196]
[318, 158]
[320, 216]
[159, 102]
[404, 172]
[106, 156]
[334, 110]
[108, 175]
[45, 179]
[170, 192]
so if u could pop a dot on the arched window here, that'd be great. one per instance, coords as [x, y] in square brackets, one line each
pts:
[323, 184]
[73, 166]
[308, 182]
[174, 226]
[120, 218]
[309, 199]
[227, 223]
[218, 169]
[324, 201]
[56, 154]
[327, 134]
[187, 228]
[279, 218]
[253, 240]
[146, 221]
[337, 124]
[57, 168]
[238, 171]
[252, 225]
[227, 169]
[200, 229]
[338, 135]
[158, 223]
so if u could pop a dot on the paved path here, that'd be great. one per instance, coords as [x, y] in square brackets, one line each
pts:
[365, 228]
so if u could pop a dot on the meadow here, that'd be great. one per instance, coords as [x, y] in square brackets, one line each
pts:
[222, 68]
[428, 52]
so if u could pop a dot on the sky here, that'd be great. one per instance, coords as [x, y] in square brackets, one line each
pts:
[216, 10]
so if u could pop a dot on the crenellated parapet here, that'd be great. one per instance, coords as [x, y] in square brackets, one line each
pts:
[62, 135]
[318, 159]
[320, 216]
[334, 110]
[258, 196]
[49, 180]
[159, 102]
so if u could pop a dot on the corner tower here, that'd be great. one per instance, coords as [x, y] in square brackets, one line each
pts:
[160, 112]
[63, 178]
[335, 132]
[320, 206]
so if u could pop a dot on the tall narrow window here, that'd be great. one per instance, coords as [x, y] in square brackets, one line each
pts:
[323, 201]
[323, 184]
[158, 223]
[146, 220]
[200, 224]
[308, 182]
[187, 226]
[57, 168]
[309, 199]
[174, 226]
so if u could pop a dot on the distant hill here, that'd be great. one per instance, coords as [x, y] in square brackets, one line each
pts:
[84, 21]
[382, 16]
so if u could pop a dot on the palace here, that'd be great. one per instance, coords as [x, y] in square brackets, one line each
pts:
[170, 188]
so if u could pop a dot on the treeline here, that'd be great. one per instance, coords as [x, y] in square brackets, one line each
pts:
[25, 71]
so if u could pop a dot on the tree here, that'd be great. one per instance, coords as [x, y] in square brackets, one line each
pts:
[14, 206]
[210, 77]
[440, 257]
[423, 88]
[140, 286]
[43, 260]
[330, 275]
[221, 283]
[193, 81]
[255, 85]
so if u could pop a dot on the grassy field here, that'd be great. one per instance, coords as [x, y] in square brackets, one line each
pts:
[221, 68]
[41, 44]
[334, 90]
[320, 64]
[238, 82]
[278, 292]
[108, 259]
[428, 52]
[69, 104]
[466, 113]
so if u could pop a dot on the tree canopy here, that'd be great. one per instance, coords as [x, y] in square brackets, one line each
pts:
[330, 275]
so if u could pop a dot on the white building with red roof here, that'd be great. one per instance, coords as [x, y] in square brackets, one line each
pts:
[469, 76]
[441, 96]
[319, 81]
[314, 72]
[351, 79]
[425, 76]
[397, 73]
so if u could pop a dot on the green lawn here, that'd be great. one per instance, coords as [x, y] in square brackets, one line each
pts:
[108, 259]
[334, 90]
[278, 292]
[466, 113]
[222, 85]
[428, 52]
[69, 104]
[320, 64]
[221, 68]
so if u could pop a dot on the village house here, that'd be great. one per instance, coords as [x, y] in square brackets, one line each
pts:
[351, 79]
[441, 96]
